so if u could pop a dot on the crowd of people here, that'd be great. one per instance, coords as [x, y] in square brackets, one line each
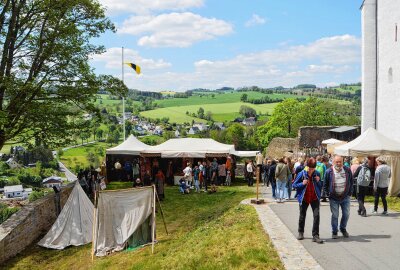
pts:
[323, 178]
[206, 175]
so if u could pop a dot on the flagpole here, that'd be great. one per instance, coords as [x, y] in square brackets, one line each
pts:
[123, 99]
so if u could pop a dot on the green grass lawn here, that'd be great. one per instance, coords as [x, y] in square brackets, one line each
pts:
[220, 112]
[207, 231]
[393, 203]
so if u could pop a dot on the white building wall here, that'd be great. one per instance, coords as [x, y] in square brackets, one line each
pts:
[369, 74]
[388, 117]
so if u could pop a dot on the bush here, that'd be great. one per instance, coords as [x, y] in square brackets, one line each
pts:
[35, 195]
[6, 212]
[28, 178]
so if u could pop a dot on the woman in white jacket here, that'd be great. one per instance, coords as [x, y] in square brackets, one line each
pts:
[381, 184]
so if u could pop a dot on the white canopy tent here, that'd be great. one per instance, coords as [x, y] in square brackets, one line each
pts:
[331, 141]
[370, 143]
[131, 146]
[374, 143]
[74, 224]
[194, 148]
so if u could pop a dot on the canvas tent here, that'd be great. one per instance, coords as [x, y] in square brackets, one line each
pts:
[370, 143]
[374, 143]
[331, 141]
[131, 146]
[124, 217]
[194, 148]
[74, 224]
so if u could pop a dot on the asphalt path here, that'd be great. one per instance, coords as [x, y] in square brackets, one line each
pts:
[374, 241]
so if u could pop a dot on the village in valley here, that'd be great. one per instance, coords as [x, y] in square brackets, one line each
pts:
[126, 144]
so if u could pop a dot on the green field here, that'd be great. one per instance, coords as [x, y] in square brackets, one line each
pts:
[220, 112]
[218, 98]
[206, 231]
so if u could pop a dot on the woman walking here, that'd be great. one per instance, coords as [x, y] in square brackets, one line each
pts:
[381, 184]
[281, 174]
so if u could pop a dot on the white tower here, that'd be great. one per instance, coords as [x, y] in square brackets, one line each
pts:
[369, 64]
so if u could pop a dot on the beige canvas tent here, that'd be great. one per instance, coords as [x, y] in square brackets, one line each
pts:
[195, 148]
[73, 226]
[124, 218]
[131, 146]
[374, 143]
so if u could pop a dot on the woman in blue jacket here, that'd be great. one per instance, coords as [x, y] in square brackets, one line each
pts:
[309, 187]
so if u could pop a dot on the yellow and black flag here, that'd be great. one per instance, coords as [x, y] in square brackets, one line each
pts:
[135, 67]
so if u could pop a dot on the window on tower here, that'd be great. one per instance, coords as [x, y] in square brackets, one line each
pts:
[390, 75]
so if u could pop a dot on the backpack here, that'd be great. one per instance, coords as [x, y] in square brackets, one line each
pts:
[321, 169]
[364, 177]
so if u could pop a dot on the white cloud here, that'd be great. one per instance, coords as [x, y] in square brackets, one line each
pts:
[115, 7]
[320, 62]
[255, 20]
[174, 29]
[112, 59]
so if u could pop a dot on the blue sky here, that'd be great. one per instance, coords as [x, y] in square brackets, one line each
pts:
[186, 44]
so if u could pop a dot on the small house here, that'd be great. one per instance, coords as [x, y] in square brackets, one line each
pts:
[16, 191]
[12, 163]
[52, 181]
[177, 134]
[219, 125]
[251, 121]
[193, 130]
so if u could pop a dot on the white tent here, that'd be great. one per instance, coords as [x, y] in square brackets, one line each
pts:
[131, 146]
[190, 148]
[370, 143]
[124, 216]
[331, 141]
[374, 143]
[74, 224]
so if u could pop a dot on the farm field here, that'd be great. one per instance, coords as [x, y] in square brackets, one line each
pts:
[220, 112]
[227, 97]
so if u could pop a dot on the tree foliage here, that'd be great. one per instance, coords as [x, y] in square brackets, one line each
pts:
[247, 111]
[45, 78]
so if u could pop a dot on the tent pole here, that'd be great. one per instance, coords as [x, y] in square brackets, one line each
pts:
[153, 227]
[162, 213]
[94, 223]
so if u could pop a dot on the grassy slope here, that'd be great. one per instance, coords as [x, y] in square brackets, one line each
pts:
[206, 232]
[221, 112]
[218, 99]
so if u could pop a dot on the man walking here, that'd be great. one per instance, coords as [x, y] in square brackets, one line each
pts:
[338, 187]
[308, 185]
[363, 176]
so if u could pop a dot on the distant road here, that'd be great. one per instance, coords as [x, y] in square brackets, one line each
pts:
[68, 174]
[74, 146]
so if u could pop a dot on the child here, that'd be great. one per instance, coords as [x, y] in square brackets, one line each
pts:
[183, 188]
[228, 178]
[196, 173]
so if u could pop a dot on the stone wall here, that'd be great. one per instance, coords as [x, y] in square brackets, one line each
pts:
[280, 147]
[32, 221]
[312, 136]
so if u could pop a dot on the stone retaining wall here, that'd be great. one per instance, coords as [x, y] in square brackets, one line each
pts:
[25, 226]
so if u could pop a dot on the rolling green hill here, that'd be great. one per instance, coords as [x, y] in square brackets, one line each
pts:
[220, 112]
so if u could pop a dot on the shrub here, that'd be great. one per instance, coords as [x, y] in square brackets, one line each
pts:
[29, 178]
[35, 195]
[6, 212]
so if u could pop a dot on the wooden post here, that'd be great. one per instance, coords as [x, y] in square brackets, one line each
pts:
[257, 179]
[162, 213]
[153, 227]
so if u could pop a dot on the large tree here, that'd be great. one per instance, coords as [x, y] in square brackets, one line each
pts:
[45, 78]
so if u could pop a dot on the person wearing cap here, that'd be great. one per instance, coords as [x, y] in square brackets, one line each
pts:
[381, 184]
[308, 185]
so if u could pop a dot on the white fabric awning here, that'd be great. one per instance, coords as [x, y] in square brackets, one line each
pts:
[370, 143]
[246, 153]
[190, 148]
[131, 146]
[331, 141]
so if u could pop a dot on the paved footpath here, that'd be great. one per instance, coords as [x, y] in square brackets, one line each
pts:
[374, 241]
